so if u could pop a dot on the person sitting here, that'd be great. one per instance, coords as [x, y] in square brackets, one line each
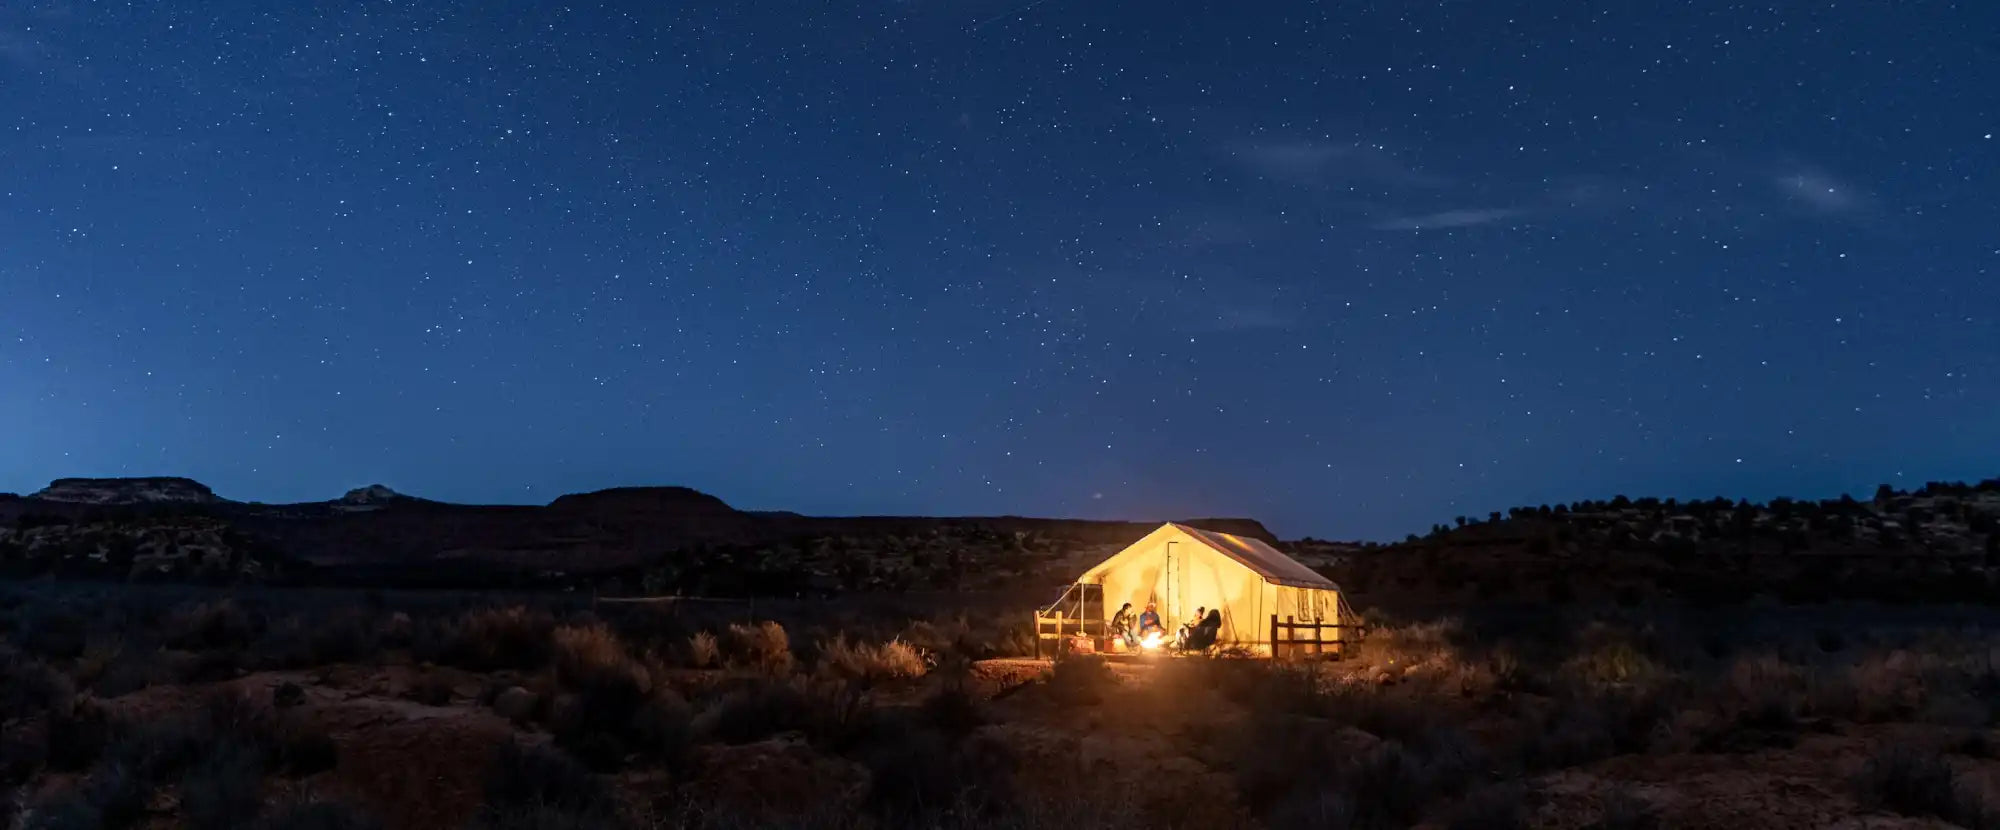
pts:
[1204, 634]
[1187, 628]
[1149, 622]
[1121, 625]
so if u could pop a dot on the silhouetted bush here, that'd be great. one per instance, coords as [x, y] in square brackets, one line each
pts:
[490, 639]
[537, 788]
[221, 624]
[830, 713]
[1913, 782]
[224, 789]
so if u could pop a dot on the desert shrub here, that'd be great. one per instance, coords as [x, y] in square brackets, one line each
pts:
[591, 660]
[831, 713]
[662, 730]
[1880, 687]
[1760, 704]
[54, 634]
[1589, 725]
[917, 775]
[938, 637]
[224, 789]
[1912, 782]
[109, 798]
[346, 637]
[545, 785]
[764, 647]
[210, 625]
[952, 710]
[609, 686]
[489, 639]
[318, 815]
[128, 672]
[1388, 644]
[1610, 656]
[28, 685]
[703, 652]
[77, 735]
[894, 660]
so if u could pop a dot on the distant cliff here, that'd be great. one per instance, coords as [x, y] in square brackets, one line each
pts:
[171, 528]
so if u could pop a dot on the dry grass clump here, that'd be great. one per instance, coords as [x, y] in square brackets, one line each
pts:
[893, 660]
[703, 651]
[762, 647]
[591, 659]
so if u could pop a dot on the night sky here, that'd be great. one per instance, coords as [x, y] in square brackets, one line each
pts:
[1349, 268]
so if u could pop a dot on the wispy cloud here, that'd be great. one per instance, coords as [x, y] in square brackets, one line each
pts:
[1319, 162]
[1460, 218]
[21, 50]
[1821, 192]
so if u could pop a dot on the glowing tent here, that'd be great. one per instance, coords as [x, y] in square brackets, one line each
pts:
[1263, 594]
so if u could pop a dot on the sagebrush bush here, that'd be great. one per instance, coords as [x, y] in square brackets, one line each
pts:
[489, 639]
[28, 685]
[224, 789]
[221, 624]
[764, 647]
[591, 660]
[543, 783]
[894, 660]
[831, 713]
[703, 652]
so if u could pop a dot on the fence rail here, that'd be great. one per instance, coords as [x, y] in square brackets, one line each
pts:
[1291, 644]
[1058, 625]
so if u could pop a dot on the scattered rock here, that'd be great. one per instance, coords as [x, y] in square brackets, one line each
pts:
[288, 694]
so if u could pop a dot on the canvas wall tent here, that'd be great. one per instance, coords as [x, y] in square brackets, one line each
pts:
[1179, 568]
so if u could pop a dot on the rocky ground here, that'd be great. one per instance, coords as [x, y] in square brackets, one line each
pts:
[289, 711]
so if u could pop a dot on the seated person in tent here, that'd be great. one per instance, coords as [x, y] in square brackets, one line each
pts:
[1121, 625]
[1150, 622]
[1187, 628]
[1205, 633]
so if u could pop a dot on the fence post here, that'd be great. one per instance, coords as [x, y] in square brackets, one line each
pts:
[1319, 640]
[1292, 630]
[1274, 636]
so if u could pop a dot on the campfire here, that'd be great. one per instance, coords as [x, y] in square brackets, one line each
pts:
[1153, 640]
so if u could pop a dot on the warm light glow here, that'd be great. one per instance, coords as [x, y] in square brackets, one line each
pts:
[1152, 639]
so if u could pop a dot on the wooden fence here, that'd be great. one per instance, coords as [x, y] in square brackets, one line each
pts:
[1287, 641]
[1058, 625]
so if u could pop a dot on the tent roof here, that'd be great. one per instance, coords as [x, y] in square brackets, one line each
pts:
[1266, 561]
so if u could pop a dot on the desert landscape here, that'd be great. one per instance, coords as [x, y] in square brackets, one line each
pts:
[171, 659]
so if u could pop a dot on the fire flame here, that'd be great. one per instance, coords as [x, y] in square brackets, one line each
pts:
[1153, 639]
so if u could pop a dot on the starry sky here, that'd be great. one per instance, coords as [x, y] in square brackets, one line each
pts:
[1350, 268]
